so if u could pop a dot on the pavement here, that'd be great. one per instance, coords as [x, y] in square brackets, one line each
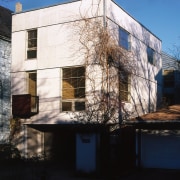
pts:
[41, 172]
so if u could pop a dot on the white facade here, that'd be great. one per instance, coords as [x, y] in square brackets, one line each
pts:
[58, 46]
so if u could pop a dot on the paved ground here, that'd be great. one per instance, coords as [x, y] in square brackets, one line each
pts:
[39, 172]
[152, 174]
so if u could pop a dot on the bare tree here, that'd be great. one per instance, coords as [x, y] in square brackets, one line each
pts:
[175, 51]
[106, 64]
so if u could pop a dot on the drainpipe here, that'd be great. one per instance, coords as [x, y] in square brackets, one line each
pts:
[104, 13]
[1, 105]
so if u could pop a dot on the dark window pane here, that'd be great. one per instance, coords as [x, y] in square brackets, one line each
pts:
[81, 82]
[123, 86]
[32, 43]
[80, 93]
[31, 54]
[169, 78]
[66, 106]
[74, 82]
[81, 72]
[150, 55]
[168, 84]
[79, 106]
[124, 95]
[66, 73]
[124, 39]
[32, 34]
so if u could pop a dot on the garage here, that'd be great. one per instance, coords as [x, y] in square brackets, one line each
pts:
[160, 149]
[158, 138]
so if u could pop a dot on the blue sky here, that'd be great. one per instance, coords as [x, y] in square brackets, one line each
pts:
[161, 17]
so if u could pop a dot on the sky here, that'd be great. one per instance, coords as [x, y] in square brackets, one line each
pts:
[161, 17]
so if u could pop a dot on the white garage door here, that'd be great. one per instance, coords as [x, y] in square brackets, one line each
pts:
[160, 150]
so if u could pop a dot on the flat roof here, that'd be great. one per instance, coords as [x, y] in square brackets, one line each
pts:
[71, 1]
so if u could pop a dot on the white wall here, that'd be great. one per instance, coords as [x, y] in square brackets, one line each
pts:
[58, 46]
[146, 78]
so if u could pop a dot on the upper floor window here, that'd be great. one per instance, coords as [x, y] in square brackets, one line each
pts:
[32, 89]
[169, 78]
[73, 89]
[124, 39]
[150, 55]
[124, 86]
[32, 44]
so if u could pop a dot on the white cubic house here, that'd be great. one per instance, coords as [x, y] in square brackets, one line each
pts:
[80, 69]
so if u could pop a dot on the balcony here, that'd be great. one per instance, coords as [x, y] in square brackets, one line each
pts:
[25, 105]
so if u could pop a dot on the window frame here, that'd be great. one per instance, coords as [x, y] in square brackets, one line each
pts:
[73, 100]
[150, 55]
[168, 78]
[28, 77]
[34, 41]
[124, 42]
[34, 94]
[128, 87]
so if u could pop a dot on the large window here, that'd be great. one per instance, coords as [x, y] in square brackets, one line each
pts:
[150, 56]
[124, 86]
[124, 39]
[73, 89]
[32, 44]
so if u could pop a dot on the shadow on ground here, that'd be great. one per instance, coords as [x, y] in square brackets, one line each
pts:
[44, 171]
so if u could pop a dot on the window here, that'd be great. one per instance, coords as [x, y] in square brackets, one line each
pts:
[32, 44]
[124, 86]
[150, 56]
[169, 78]
[32, 88]
[73, 89]
[124, 39]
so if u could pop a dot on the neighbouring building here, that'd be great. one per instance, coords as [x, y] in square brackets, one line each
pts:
[5, 62]
[79, 70]
[171, 79]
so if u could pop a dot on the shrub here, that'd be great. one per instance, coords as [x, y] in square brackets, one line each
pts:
[9, 152]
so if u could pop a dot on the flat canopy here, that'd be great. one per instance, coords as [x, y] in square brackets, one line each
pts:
[164, 118]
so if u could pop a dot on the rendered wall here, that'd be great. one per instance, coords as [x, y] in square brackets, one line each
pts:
[59, 46]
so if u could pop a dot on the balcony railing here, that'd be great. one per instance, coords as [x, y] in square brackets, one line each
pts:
[25, 105]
